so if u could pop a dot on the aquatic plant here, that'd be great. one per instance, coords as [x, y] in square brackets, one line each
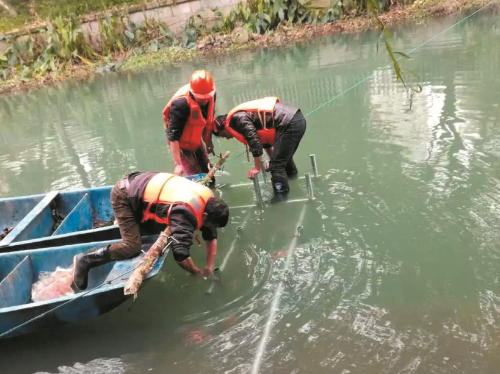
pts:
[63, 44]
[373, 7]
[260, 16]
[56, 49]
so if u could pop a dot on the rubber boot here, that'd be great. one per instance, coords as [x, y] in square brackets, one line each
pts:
[83, 262]
[280, 188]
[291, 170]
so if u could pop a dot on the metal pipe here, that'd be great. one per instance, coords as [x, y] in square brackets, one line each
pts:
[242, 184]
[242, 207]
[263, 171]
[310, 192]
[238, 231]
[314, 165]
[294, 201]
[283, 202]
[258, 193]
[217, 275]
[300, 228]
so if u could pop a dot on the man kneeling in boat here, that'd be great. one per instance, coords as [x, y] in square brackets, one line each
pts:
[267, 124]
[151, 201]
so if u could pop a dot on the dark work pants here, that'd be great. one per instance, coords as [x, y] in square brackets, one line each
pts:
[286, 143]
[196, 162]
[130, 232]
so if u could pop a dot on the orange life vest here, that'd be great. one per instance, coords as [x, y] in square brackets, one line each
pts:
[262, 107]
[193, 131]
[166, 188]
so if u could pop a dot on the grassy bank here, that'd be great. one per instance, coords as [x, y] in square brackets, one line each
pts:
[51, 9]
[162, 48]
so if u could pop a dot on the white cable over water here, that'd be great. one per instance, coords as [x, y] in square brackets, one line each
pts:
[275, 302]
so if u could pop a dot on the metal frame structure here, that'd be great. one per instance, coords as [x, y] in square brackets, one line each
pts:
[258, 192]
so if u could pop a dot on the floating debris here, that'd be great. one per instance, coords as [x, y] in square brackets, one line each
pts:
[58, 218]
[98, 223]
[6, 231]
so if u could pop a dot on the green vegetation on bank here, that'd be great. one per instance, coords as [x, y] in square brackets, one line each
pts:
[51, 9]
[62, 44]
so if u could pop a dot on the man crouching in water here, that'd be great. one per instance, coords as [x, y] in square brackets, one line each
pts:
[151, 201]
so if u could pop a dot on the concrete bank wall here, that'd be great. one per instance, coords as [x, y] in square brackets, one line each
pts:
[173, 13]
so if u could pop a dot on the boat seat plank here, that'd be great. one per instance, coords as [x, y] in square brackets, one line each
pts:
[15, 288]
[37, 223]
[79, 219]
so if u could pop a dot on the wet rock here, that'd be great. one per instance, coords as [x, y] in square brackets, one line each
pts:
[278, 40]
[226, 44]
[104, 69]
[219, 39]
[240, 35]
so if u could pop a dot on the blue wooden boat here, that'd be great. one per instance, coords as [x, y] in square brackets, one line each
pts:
[59, 218]
[19, 270]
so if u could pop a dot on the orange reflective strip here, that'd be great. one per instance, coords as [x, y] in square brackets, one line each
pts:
[147, 214]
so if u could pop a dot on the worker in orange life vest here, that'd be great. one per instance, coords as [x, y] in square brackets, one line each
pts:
[188, 117]
[267, 124]
[147, 202]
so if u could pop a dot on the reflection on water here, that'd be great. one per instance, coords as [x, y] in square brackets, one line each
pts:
[397, 267]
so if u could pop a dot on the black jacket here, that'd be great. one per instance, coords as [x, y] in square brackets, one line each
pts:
[179, 115]
[247, 124]
[183, 222]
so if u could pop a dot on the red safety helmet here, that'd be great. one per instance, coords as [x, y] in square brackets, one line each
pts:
[202, 85]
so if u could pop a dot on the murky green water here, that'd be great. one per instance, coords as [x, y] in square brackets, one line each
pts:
[397, 267]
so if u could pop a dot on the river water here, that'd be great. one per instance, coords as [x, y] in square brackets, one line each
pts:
[396, 269]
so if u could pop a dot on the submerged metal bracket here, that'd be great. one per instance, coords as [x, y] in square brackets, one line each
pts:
[258, 190]
[300, 228]
[258, 193]
[310, 191]
[314, 165]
